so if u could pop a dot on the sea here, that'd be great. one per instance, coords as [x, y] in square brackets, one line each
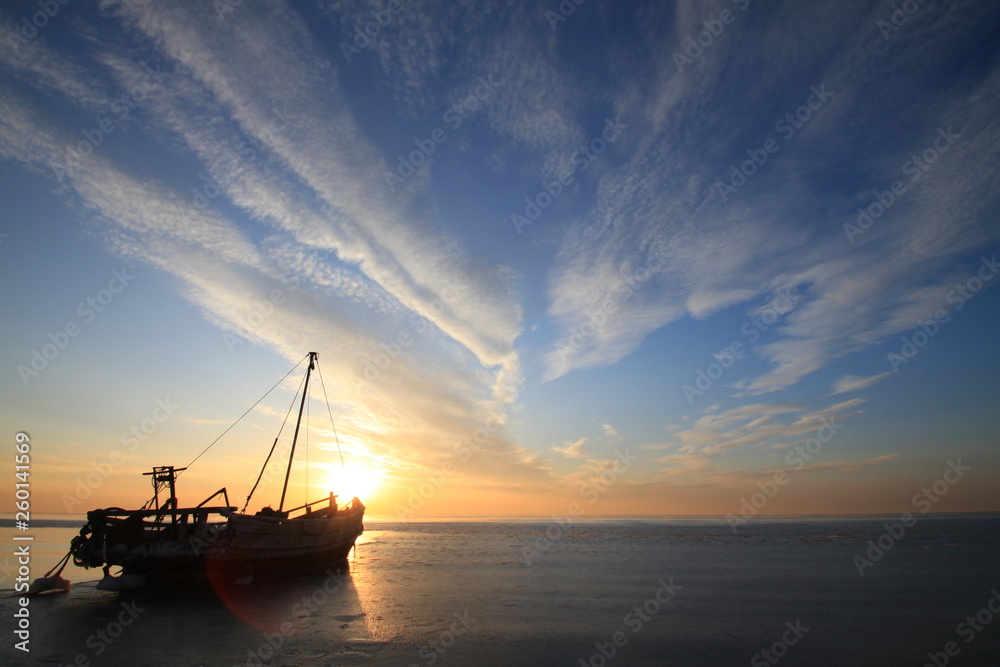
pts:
[442, 591]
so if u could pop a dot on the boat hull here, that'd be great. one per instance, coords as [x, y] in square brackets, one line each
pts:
[166, 542]
[244, 548]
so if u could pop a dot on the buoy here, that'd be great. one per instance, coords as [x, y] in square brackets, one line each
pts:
[54, 584]
[50, 583]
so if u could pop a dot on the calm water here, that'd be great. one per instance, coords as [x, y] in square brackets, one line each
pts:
[505, 591]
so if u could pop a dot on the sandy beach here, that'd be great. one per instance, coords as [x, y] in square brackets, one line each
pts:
[628, 593]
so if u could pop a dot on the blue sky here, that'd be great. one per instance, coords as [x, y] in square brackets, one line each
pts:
[694, 235]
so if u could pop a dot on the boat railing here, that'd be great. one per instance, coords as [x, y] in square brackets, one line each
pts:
[182, 513]
[183, 523]
[331, 501]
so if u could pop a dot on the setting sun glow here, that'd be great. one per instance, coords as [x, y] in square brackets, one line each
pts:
[355, 480]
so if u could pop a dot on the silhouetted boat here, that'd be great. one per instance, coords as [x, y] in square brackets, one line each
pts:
[165, 542]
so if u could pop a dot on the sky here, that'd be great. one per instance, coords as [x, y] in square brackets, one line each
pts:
[566, 259]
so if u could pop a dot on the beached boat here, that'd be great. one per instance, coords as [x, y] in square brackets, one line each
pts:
[219, 544]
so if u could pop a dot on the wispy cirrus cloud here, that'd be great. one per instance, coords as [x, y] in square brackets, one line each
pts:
[573, 450]
[409, 256]
[258, 167]
[722, 253]
[854, 383]
[357, 267]
[719, 434]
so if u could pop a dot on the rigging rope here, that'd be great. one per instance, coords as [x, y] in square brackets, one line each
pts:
[308, 411]
[332, 425]
[275, 444]
[245, 413]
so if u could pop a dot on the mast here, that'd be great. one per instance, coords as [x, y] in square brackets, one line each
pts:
[291, 456]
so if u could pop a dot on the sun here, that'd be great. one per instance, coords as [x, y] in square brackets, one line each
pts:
[352, 481]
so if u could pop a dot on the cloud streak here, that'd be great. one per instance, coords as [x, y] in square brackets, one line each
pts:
[251, 172]
[718, 254]
[357, 268]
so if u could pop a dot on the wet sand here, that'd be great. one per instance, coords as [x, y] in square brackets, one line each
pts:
[615, 593]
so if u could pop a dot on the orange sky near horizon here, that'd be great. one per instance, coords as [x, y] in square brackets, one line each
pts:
[58, 488]
[563, 270]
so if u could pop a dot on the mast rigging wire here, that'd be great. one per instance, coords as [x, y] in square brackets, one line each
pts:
[273, 445]
[330, 412]
[245, 413]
